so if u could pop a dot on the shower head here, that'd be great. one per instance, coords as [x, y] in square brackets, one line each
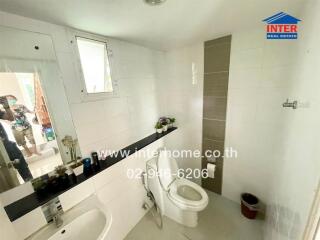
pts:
[154, 2]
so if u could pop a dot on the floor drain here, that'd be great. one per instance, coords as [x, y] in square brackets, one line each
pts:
[185, 236]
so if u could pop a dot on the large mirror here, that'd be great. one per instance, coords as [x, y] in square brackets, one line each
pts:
[34, 112]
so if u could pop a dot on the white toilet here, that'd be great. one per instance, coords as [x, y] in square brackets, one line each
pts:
[178, 198]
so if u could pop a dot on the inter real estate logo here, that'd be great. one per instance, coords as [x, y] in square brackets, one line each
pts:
[282, 26]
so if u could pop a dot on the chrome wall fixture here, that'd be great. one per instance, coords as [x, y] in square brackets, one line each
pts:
[154, 2]
[293, 104]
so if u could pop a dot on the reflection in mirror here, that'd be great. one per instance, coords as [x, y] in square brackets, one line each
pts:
[34, 114]
[30, 131]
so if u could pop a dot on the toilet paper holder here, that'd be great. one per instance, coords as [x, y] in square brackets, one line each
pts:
[211, 159]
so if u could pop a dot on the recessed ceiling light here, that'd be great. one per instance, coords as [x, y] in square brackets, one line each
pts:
[154, 2]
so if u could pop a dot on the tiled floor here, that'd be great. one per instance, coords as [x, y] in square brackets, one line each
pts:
[221, 220]
[42, 166]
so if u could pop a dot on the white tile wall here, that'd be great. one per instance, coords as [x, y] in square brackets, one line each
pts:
[246, 58]
[296, 175]
[107, 124]
[257, 89]
[29, 223]
[182, 98]
[277, 147]
[127, 118]
[76, 194]
[6, 227]
[256, 123]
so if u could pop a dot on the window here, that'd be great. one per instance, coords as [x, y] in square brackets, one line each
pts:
[95, 65]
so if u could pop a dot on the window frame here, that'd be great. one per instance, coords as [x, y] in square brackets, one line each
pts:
[85, 96]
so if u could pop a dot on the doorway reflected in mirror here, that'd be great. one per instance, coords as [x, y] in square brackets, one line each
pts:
[29, 136]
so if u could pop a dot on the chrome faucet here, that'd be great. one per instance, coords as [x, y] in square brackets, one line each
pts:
[56, 215]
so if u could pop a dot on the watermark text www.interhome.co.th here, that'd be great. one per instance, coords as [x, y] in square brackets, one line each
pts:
[228, 152]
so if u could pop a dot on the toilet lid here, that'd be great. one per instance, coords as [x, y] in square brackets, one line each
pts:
[167, 169]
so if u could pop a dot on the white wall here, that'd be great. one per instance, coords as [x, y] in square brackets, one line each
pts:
[112, 123]
[181, 96]
[297, 174]
[268, 138]
[277, 147]
[10, 86]
[258, 85]
[262, 75]
[6, 229]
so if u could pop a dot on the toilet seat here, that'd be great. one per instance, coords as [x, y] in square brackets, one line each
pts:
[187, 195]
[178, 198]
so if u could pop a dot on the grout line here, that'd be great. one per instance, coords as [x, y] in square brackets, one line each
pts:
[207, 73]
[213, 140]
[214, 119]
[211, 96]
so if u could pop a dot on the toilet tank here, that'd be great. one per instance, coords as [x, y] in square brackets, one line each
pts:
[168, 169]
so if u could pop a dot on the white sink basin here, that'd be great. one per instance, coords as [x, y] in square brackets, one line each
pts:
[88, 220]
[87, 226]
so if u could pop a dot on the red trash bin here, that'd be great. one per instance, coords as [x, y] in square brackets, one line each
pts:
[249, 205]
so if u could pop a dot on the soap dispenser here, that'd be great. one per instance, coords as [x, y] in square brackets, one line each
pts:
[95, 161]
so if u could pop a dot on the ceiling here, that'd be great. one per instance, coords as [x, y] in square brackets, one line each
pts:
[174, 24]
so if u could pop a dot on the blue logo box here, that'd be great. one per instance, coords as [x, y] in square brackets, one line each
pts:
[282, 35]
[282, 26]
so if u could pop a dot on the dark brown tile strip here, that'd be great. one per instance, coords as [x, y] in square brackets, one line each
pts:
[216, 84]
[216, 78]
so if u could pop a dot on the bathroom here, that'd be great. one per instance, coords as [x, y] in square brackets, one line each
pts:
[126, 83]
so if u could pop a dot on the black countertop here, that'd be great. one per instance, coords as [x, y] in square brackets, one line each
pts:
[25, 205]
